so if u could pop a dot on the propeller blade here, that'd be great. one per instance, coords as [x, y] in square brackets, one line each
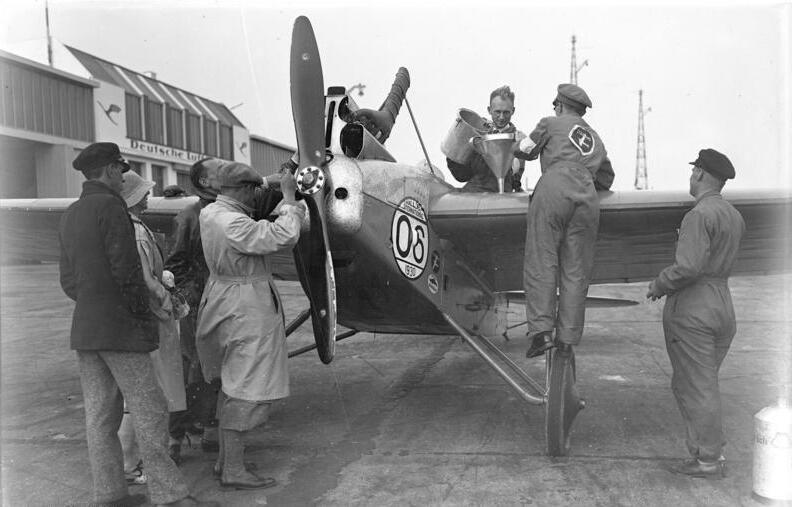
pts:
[312, 255]
[307, 94]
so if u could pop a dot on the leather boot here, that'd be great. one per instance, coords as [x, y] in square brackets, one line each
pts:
[702, 469]
[541, 342]
[189, 502]
[234, 474]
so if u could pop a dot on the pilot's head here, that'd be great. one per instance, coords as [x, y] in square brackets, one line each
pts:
[501, 106]
[103, 162]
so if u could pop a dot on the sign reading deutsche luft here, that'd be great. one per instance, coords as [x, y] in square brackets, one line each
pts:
[167, 152]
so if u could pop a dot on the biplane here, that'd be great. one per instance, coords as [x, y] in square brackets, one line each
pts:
[393, 248]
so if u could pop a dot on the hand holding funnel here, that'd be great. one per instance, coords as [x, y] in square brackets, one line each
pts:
[498, 151]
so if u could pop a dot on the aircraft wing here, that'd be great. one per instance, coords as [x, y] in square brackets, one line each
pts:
[636, 238]
[29, 229]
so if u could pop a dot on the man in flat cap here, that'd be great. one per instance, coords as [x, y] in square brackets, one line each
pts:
[698, 317]
[113, 332]
[562, 221]
[241, 336]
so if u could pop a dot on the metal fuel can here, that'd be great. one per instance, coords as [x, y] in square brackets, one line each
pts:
[772, 460]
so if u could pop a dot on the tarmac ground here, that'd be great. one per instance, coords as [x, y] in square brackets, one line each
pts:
[417, 420]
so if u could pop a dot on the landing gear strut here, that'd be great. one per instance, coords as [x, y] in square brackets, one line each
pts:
[558, 394]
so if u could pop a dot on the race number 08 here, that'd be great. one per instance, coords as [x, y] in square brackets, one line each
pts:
[404, 229]
[409, 238]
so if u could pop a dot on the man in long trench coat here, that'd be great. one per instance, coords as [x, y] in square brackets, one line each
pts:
[241, 331]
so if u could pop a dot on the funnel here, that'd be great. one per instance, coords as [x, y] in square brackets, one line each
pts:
[498, 152]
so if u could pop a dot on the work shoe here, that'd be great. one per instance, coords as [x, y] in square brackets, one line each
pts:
[174, 451]
[189, 502]
[702, 469]
[249, 482]
[126, 501]
[250, 466]
[540, 343]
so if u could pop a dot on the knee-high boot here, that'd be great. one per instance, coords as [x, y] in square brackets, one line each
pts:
[234, 473]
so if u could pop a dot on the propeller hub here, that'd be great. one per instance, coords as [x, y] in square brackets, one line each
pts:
[310, 180]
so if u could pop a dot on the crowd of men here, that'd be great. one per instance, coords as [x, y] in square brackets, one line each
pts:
[229, 358]
[229, 362]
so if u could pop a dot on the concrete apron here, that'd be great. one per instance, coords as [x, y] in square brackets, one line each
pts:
[420, 420]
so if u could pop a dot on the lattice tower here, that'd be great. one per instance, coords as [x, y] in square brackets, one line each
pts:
[641, 176]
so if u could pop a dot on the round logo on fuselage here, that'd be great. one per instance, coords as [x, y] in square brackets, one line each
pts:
[410, 238]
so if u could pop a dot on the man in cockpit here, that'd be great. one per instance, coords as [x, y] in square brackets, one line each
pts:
[475, 172]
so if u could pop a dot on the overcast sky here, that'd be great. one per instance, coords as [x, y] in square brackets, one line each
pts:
[714, 74]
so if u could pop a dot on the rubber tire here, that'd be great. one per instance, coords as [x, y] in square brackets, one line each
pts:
[563, 403]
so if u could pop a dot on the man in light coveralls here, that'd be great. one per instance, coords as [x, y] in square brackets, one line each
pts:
[698, 317]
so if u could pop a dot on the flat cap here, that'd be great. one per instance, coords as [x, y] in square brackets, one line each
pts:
[99, 155]
[715, 163]
[236, 174]
[573, 95]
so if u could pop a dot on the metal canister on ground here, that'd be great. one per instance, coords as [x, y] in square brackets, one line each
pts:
[772, 463]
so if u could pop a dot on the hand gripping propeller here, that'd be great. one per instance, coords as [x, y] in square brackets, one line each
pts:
[312, 253]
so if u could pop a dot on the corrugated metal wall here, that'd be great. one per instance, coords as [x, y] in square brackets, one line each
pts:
[45, 103]
[266, 158]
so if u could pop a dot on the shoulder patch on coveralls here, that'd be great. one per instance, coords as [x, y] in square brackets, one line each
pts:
[582, 139]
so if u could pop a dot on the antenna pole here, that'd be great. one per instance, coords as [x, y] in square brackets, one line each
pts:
[49, 36]
[641, 175]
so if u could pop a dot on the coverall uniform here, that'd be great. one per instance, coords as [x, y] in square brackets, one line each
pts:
[241, 332]
[698, 318]
[562, 224]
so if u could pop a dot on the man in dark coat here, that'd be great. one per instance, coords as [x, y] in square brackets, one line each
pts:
[186, 262]
[113, 332]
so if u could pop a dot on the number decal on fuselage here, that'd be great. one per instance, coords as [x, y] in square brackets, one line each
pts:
[410, 238]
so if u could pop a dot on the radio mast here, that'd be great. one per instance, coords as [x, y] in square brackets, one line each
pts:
[641, 176]
[573, 66]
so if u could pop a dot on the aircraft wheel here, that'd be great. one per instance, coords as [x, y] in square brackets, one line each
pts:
[563, 402]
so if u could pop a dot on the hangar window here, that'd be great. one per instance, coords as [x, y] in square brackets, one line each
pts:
[154, 129]
[226, 142]
[210, 137]
[175, 127]
[193, 132]
[134, 118]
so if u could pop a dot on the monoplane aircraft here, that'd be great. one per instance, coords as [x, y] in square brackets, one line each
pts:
[393, 248]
